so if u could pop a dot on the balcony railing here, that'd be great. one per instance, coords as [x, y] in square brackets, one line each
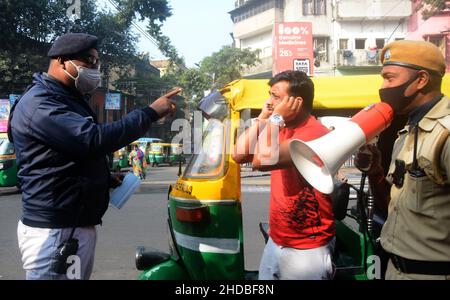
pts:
[358, 58]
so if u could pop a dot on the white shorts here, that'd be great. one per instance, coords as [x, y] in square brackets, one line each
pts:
[284, 263]
[38, 247]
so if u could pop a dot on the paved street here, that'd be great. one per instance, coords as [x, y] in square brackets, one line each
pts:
[142, 221]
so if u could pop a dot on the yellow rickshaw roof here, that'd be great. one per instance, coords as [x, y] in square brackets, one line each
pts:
[356, 91]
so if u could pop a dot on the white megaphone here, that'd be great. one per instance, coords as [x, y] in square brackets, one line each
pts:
[320, 159]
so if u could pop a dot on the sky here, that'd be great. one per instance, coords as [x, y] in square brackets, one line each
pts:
[197, 28]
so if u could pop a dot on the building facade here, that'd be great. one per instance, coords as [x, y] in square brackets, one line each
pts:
[435, 29]
[347, 34]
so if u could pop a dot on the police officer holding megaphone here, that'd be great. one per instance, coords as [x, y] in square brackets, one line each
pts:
[416, 190]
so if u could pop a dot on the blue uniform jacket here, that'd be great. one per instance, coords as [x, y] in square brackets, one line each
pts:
[61, 153]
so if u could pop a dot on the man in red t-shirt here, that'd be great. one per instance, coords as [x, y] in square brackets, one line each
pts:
[301, 221]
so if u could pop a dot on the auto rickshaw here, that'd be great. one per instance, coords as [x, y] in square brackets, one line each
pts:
[145, 146]
[166, 153]
[8, 166]
[120, 159]
[204, 205]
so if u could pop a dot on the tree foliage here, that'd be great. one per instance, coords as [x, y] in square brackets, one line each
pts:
[228, 64]
[194, 83]
[213, 72]
[30, 26]
[432, 7]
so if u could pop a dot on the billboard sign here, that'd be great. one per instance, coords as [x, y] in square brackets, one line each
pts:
[293, 47]
[112, 101]
[13, 98]
[4, 114]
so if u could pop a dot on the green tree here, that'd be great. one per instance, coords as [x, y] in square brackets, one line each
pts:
[30, 26]
[432, 7]
[228, 64]
[194, 83]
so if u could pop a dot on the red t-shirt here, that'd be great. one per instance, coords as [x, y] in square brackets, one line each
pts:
[300, 216]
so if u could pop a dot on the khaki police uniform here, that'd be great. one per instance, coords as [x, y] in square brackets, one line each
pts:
[418, 224]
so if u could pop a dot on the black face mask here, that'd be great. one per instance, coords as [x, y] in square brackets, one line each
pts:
[395, 96]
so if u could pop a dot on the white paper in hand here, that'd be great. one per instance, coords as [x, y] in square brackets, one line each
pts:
[123, 192]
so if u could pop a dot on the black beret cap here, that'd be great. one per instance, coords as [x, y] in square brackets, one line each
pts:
[72, 43]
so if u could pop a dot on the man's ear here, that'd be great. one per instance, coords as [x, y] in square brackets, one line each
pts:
[61, 62]
[424, 79]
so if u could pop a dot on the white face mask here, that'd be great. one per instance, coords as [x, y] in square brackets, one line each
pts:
[87, 79]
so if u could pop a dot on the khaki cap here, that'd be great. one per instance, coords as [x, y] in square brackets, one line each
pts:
[414, 54]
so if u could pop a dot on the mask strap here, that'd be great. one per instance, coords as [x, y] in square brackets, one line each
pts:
[70, 75]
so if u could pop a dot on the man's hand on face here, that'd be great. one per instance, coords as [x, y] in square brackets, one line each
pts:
[289, 108]
[267, 109]
[163, 105]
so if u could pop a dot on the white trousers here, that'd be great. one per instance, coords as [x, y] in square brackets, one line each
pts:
[38, 247]
[282, 263]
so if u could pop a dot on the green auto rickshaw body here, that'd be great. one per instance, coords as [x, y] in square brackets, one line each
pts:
[8, 165]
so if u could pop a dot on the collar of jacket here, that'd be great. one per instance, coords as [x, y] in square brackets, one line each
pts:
[57, 87]
[439, 111]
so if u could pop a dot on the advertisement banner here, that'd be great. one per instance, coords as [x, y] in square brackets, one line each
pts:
[293, 47]
[4, 114]
[112, 101]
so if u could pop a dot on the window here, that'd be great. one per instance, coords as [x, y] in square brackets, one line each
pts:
[314, 7]
[379, 43]
[360, 43]
[321, 49]
[343, 44]
[256, 8]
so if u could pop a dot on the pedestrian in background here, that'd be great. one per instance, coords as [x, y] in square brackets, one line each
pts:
[136, 158]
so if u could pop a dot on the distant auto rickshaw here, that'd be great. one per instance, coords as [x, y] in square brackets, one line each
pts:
[120, 159]
[166, 153]
[8, 166]
[145, 146]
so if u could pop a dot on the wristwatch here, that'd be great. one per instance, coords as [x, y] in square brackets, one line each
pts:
[277, 120]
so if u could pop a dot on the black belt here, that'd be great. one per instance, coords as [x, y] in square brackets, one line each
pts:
[406, 265]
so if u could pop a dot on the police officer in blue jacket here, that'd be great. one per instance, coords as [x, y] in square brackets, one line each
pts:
[61, 157]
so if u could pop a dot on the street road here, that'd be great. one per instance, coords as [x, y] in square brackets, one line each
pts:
[142, 221]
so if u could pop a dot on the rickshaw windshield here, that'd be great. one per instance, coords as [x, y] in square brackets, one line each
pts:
[6, 148]
[155, 148]
[210, 161]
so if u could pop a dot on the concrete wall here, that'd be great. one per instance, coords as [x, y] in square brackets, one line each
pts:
[420, 29]
[373, 9]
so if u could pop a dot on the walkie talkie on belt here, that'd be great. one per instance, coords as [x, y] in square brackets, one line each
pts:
[65, 249]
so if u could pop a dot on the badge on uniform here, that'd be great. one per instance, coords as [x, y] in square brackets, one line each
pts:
[387, 54]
